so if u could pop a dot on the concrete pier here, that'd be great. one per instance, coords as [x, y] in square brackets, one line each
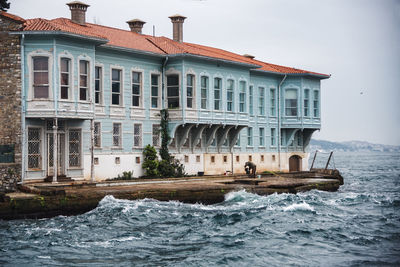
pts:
[46, 199]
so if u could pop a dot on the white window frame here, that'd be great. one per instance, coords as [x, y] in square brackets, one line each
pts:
[97, 134]
[206, 89]
[139, 135]
[40, 53]
[114, 135]
[316, 101]
[140, 84]
[173, 73]
[272, 102]
[39, 153]
[101, 81]
[250, 136]
[261, 133]
[230, 91]
[287, 107]
[158, 97]
[87, 87]
[156, 135]
[121, 86]
[273, 137]
[193, 88]
[68, 56]
[242, 97]
[306, 103]
[219, 90]
[80, 148]
[261, 100]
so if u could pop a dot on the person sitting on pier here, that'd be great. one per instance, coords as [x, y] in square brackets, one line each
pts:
[250, 169]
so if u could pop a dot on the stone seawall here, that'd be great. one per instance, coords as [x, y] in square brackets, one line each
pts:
[10, 103]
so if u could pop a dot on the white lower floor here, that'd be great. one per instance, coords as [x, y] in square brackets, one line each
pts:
[111, 165]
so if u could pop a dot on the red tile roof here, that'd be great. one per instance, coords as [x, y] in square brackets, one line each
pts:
[159, 45]
[11, 16]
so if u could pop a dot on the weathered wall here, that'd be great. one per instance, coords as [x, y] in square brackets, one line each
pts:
[10, 102]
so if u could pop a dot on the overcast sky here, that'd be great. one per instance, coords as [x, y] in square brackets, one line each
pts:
[356, 41]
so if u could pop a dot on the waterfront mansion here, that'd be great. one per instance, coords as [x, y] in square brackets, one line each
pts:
[81, 100]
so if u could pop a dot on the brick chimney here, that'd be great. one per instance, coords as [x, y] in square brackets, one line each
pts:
[136, 25]
[78, 12]
[177, 27]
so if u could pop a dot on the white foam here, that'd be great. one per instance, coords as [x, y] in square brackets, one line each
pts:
[299, 207]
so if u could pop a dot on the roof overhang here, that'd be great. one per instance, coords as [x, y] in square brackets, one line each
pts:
[97, 40]
[313, 75]
[131, 50]
[187, 55]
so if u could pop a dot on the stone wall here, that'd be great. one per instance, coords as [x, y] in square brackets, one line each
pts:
[10, 101]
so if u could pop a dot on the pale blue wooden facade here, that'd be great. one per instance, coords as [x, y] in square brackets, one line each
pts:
[194, 129]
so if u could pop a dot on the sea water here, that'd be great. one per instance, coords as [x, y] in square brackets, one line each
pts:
[357, 225]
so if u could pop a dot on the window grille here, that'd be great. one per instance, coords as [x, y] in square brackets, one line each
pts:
[97, 134]
[156, 135]
[74, 148]
[117, 134]
[34, 148]
[137, 135]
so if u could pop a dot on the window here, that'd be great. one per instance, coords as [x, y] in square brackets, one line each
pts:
[262, 133]
[238, 140]
[34, 148]
[137, 135]
[116, 135]
[249, 136]
[262, 158]
[189, 90]
[117, 160]
[212, 159]
[242, 96]
[65, 78]
[83, 80]
[229, 95]
[155, 91]
[272, 98]
[186, 158]
[306, 103]
[217, 93]
[273, 157]
[197, 158]
[116, 81]
[97, 134]
[316, 104]
[291, 102]
[250, 158]
[98, 83]
[137, 160]
[156, 135]
[136, 89]
[173, 91]
[96, 161]
[225, 159]
[204, 91]
[273, 136]
[40, 77]
[261, 101]
[74, 140]
[237, 158]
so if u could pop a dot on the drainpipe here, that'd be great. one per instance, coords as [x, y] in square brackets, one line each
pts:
[279, 121]
[163, 82]
[92, 150]
[23, 146]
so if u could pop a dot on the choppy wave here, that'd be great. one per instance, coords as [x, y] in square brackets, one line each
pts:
[358, 225]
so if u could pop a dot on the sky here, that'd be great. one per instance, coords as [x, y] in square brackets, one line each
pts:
[356, 41]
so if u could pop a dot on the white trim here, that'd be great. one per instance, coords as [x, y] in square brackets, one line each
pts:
[141, 91]
[40, 53]
[66, 54]
[121, 89]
